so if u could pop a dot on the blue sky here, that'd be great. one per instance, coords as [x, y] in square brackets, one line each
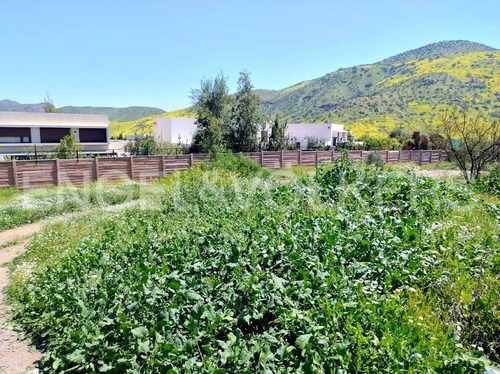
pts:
[152, 53]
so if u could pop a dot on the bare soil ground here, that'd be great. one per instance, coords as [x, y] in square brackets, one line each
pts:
[440, 173]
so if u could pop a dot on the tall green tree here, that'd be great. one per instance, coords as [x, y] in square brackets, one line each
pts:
[278, 140]
[246, 117]
[212, 105]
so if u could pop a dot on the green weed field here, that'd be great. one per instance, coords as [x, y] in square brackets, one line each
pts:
[350, 270]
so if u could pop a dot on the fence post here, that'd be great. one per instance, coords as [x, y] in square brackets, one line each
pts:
[131, 167]
[316, 158]
[14, 173]
[261, 158]
[162, 166]
[300, 157]
[386, 157]
[281, 158]
[58, 173]
[190, 159]
[399, 155]
[96, 168]
[421, 154]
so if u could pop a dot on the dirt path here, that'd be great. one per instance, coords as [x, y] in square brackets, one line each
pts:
[17, 355]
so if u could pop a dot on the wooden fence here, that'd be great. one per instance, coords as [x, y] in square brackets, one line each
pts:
[31, 174]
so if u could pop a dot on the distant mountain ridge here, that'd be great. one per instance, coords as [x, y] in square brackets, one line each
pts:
[114, 114]
[13, 106]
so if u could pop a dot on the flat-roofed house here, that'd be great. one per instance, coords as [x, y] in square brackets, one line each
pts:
[175, 130]
[22, 132]
[323, 134]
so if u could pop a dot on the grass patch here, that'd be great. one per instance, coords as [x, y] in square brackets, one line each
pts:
[289, 173]
[239, 165]
[441, 165]
[13, 242]
[6, 194]
[38, 204]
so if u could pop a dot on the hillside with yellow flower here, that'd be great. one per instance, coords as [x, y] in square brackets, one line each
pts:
[409, 90]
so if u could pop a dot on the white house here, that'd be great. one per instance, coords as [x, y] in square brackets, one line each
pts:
[22, 132]
[175, 130]
[323, 134]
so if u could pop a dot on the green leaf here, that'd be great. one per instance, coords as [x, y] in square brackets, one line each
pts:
[77, 356]
[105, 367]
[175, 285]
[144, 347]
[302, 340]
[140, 332]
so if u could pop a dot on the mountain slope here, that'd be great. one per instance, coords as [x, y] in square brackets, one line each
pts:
[412, 89]
[144, 125]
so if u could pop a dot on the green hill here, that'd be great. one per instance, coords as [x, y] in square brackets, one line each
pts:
[412, 89]
[114, 114]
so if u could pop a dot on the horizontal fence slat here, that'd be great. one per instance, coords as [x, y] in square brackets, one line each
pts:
[31, 174]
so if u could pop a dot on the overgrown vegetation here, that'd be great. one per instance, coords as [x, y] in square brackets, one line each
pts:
[353, 270]
[489, 184]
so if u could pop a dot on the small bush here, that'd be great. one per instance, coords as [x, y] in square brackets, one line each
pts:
[375, 159]
[241, 165]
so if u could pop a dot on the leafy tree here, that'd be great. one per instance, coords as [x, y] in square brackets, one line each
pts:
[245, 117]
[211, 101]
[278, 140]
[68, 146]
[470, 139]
[142, 145]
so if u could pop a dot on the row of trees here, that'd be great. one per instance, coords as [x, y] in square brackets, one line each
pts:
[232, 121]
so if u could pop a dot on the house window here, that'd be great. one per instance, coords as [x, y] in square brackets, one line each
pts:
[15, 135]
[53, 134]
[93, 136]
